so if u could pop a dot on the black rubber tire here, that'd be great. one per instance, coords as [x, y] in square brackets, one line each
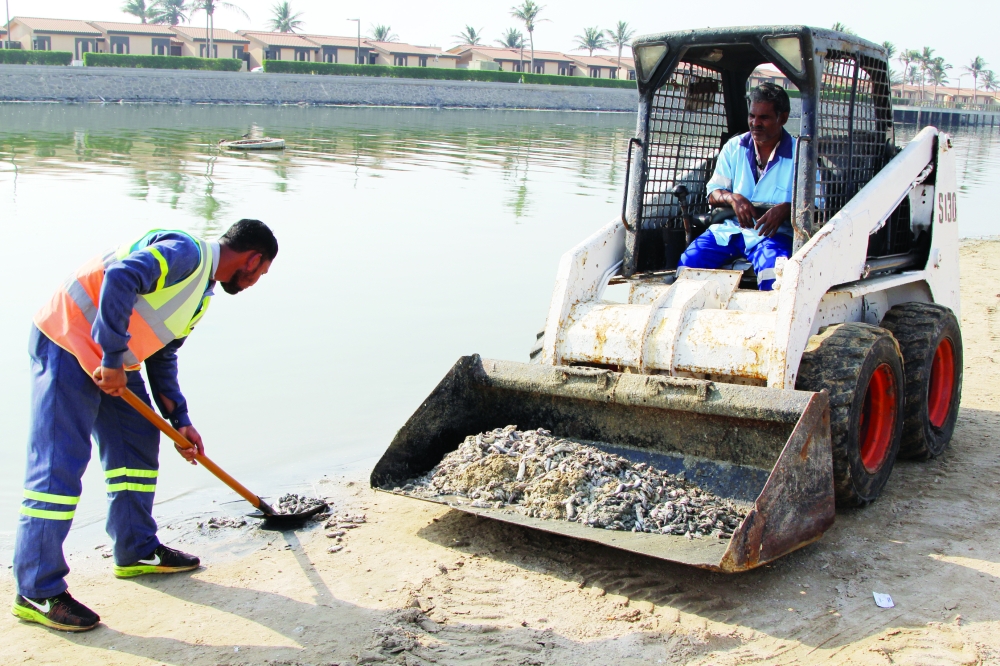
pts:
[842, 360]
[920, 328]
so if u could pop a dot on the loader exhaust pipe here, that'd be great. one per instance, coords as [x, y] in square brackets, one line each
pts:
[767, 448]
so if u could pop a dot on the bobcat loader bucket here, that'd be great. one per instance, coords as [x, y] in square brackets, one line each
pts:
[766, 448]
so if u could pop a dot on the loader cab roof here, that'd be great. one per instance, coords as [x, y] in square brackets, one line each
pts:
[739, 50]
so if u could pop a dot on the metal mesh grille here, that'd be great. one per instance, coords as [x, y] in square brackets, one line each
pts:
[854, 126]
[687, 121]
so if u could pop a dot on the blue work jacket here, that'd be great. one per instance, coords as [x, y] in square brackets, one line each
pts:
[736, 171]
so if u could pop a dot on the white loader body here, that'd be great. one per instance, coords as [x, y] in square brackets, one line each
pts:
[703, 326]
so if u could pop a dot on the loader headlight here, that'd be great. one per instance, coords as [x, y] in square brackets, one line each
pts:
[647, 58]
[790, 50]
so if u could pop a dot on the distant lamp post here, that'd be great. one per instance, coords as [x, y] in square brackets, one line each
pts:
[357, 58]
[7, 3]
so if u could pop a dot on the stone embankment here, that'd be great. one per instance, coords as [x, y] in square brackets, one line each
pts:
[36, 83]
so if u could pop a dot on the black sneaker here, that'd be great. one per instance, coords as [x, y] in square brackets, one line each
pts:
[61, 612]
[163, 560]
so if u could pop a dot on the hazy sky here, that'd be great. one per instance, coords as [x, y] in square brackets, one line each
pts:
[967, 28]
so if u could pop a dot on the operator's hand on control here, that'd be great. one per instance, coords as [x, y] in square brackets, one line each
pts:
[769, 222]
[110, 380]
[743, 207]
[193, 437]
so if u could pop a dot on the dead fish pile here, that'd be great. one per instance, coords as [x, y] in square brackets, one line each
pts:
[292, 503]
[221, 522]
[542, 476]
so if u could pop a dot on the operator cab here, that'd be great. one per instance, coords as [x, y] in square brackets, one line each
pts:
[693, 98]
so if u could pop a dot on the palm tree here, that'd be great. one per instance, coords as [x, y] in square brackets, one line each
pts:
[991, 83]
[470, 36]
[890, 50]
[975, 68]
[138, 9]
[209, 7]
[924, 60]
[591, 40]
[840, 27]
[169, 12]
[513, 39]
[382, 33]
[937, 73]
[906, 58]
[620, 36]
[282, 19]
[527, 12]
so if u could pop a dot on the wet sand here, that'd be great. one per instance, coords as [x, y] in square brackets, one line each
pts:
[420, 584]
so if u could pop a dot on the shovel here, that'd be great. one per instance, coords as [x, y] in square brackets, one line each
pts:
[266, 512]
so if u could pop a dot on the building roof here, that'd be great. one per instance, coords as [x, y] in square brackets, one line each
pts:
[67, 26]
[495, 52]
[331, 40]
[628, 63]
[284, 39]
[218, 34]
[591, 61]
[548, 55]
[410, 49]
[133, 28]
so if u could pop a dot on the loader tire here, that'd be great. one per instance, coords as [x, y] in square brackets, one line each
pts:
[931, 342]
[861, 367]
[535, 355]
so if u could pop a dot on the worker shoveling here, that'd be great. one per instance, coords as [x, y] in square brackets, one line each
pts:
[542, 476]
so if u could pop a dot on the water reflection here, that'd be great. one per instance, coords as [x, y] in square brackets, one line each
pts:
[171, 152]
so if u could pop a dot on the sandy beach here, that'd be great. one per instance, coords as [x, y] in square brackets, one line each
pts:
[421, 584]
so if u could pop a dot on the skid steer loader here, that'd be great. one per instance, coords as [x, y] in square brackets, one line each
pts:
[793, 400]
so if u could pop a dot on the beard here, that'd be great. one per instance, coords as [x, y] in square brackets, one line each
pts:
[232, 285]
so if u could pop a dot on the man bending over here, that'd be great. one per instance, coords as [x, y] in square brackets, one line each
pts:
[756, 166]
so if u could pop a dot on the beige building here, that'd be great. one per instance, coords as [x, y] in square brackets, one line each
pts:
[408, 55]
[627, 69]
[193, 41]
[135, 38]
[945, 94]
[551, 62]
[280, 46]
[509, 60]
[596, 67]
[343, 50]
[768, 73]
[44, 34]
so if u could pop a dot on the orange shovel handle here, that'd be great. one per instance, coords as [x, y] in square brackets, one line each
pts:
[182, 441]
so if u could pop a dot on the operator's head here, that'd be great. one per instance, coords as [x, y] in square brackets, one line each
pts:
[769, 108]
[254, 247]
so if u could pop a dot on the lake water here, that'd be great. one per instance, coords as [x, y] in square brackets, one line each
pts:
[408, 237]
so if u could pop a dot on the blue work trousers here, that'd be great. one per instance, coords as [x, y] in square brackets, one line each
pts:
[67, 408]
[705, 252]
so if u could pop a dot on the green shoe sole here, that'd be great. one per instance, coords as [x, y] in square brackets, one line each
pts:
[29, 615]
[143, 569]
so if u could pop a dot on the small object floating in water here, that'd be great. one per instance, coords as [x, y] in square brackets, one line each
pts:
[263, 143]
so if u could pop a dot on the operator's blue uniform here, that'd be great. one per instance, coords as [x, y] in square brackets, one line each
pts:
[67, 408]
[736, 171]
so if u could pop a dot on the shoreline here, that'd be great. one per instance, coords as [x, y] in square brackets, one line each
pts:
[114, 84]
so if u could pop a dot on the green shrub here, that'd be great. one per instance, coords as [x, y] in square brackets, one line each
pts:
[12, 57]
[161, 62]
[296, 67]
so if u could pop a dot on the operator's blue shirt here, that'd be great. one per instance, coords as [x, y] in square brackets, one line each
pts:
[736, 171]
[137, 274]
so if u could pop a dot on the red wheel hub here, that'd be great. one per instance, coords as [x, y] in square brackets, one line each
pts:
[942, 384]
[878, 418]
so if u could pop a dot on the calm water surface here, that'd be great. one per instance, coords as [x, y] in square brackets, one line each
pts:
[408, 238]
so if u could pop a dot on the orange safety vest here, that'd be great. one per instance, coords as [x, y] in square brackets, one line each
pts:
[158, 318]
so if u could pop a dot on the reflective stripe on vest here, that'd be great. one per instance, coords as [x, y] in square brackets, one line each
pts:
[158, 318]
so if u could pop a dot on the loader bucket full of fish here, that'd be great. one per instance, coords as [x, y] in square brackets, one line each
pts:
[719, 476]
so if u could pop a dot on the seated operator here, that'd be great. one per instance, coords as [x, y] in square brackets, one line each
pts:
[756, 166]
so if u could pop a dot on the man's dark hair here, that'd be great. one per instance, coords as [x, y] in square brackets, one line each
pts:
[251, 235]
[776, 95]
